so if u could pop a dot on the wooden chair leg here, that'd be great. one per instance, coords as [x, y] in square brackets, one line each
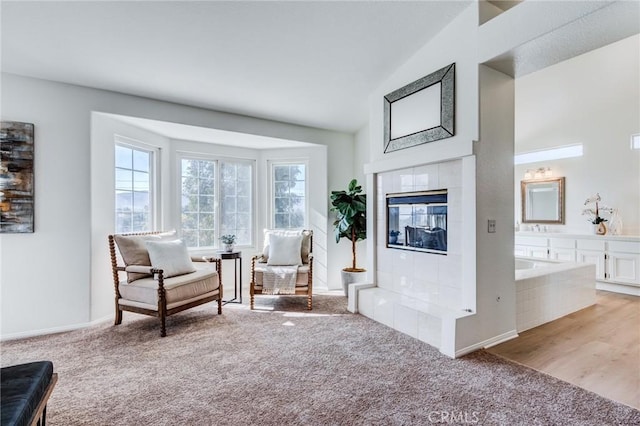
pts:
[251, 302]
[118, 319]
[309, 302]
[219, 305]
[163, 327]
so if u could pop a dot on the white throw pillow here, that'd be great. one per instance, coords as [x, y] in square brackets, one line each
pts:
[285, 250]
[170, 256]
[269, 232]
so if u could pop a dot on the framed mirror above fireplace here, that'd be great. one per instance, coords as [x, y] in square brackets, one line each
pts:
[417, 221]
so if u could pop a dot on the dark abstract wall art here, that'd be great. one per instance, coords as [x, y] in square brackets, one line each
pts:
[16, 177]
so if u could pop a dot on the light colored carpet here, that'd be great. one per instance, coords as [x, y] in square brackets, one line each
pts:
[282, 364]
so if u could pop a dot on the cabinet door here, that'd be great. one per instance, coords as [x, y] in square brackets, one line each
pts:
[623, 267]
[539, 252]
[520, 251]
[567, 255]
[595, 257]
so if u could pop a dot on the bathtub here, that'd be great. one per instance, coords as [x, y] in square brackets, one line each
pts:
[547, 290]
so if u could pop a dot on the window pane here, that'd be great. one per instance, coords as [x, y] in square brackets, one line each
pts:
[244, 171]
[243, 204]
[207, 186]
[206, 203]
[228, 224]
[123, 157]
[190, 238]
[282, 205]
[282, 220]
[207, 221]
[289, 192]
[281, 173]
[198, 202]
[243, 221]
[141, 202]
[141, 161]
[133, 189]
[207, 239]
[296, 220]
[244, 188]
[207, 169]
[235, 192]
[124, 180]
[189, 203]
[141, 181]
[211, 188]
[189, 221]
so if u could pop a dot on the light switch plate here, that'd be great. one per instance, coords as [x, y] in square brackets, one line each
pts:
[491, 226]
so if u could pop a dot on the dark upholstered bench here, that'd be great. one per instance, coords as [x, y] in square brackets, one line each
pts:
[25, 391]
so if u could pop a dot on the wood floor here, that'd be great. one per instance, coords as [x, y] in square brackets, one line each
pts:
[597, 348]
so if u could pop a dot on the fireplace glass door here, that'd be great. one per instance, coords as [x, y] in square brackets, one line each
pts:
[417, 221]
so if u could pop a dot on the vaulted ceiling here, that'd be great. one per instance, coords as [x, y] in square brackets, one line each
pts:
[309, 63]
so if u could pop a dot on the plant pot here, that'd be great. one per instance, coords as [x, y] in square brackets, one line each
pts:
[351, 277]
[600, 229]
[228, 248]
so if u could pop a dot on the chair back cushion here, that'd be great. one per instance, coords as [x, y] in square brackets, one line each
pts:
[170, 256]
[134, 250]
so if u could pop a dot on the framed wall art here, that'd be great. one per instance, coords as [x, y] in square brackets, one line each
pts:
[16, 177]
[420, 112]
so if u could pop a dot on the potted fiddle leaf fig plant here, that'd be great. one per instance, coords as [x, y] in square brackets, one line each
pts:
[351, 223]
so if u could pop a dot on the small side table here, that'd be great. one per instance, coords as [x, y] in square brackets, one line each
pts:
[237, 276]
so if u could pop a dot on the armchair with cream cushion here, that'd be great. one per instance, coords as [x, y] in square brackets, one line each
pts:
[284, 251]
[161, 278]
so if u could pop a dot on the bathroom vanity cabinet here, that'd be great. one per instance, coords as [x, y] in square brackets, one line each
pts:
[617, 257]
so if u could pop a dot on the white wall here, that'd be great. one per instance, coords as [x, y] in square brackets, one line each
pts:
[593, 99]
[360, 158]
[46, 276]
[495, 319]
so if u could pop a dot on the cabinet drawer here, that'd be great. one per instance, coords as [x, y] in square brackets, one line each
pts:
[531, 241]
[568, 243]
[625, 246]
[590, 245]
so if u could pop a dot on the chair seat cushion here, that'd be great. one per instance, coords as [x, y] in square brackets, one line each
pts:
[177, 289]
[23, 387]
[302, 279]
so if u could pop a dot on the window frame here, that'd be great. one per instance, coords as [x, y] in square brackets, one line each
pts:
[154, 176]
[271, 192]
[217, 159]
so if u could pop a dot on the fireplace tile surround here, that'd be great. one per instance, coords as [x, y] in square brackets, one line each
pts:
[418, 293]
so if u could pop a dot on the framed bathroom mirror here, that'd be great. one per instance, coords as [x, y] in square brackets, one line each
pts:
[543, 200]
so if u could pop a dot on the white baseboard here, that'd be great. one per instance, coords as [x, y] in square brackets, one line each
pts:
[496, 340]
[53, 330]
[618, 288]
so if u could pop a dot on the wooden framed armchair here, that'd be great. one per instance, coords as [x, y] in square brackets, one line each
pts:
[161, 278]
[262, 266]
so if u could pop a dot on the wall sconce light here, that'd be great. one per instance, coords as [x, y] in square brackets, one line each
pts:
[539, 173]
